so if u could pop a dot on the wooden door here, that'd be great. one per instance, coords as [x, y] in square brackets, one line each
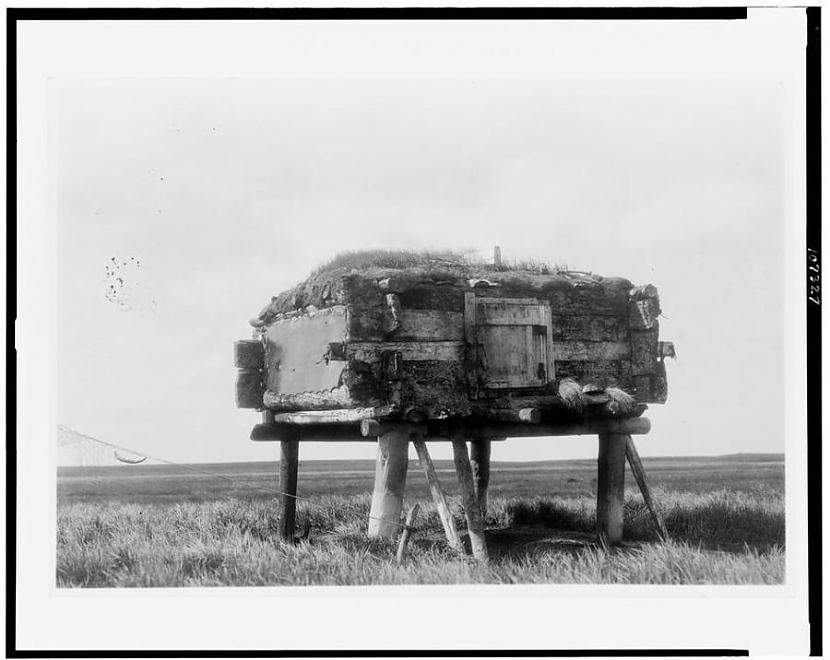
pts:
[512, 342]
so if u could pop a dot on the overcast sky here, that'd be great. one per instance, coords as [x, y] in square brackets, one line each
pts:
[221, 192]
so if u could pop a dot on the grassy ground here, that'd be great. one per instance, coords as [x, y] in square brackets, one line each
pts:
[135, 527]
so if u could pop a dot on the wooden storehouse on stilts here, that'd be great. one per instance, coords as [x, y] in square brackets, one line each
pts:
[399, 348]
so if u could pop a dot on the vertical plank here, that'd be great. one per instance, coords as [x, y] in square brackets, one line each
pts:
[610, 487]
[390, 482]
[471, 344]
[289, 453]
[639, 473]
[480, 463]
[551, 362]
[407, 531]
[438, 494]
[475, 525]
[530, 357]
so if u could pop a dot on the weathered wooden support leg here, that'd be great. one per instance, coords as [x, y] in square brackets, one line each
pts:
[639, 473]
[390, 482]
[407, 532]
[438, 494]
[480, 462]
[475, 524]
[610, 487]
[289, 453]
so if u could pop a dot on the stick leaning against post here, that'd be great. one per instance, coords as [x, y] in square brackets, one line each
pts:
[439, 497]
[407, 531]
[639, 473]
[472, 512]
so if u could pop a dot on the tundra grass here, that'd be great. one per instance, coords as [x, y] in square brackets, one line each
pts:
[721, 537]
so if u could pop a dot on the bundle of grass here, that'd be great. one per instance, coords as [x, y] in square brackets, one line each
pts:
[570, 392]
[622, 404]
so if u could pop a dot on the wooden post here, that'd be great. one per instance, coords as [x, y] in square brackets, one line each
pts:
[390, 482]
[410, 521]
[438, 494]
[610, 487]
[475, 525]
[480, 463]
[289, 453]
[639, 473]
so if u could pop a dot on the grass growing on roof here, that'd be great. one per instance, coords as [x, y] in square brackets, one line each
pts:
[363, 259]
[401, 259]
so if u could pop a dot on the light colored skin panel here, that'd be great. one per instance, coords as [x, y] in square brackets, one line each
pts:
[294, 352]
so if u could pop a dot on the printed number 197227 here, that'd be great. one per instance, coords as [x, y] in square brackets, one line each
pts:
[813, 277]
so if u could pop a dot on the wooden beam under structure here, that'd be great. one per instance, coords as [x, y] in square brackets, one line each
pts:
[368, 430]
[628, 426]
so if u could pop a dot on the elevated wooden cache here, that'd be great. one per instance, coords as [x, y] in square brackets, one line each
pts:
[448, 340]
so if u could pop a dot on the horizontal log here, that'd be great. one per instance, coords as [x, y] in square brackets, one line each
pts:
[589, 328]
[309, 433]
[442, 351]
[510, 311]
[523, 415]
[248, 354]
[591, 351]
[443, 431]
[429, 325]
[432, 296]
[322, 433]
[324, 400]
[249, 389]
[594, 301]
[631, 426]
[372, 428]
[343, 416]
[603, 372]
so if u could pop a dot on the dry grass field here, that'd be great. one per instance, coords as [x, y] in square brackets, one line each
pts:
[145, 526]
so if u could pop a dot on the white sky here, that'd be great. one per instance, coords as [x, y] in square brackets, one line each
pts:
[653, 151]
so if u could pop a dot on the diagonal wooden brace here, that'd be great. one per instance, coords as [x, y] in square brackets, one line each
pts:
[639, 473]
[475, 523]
[439, 497]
